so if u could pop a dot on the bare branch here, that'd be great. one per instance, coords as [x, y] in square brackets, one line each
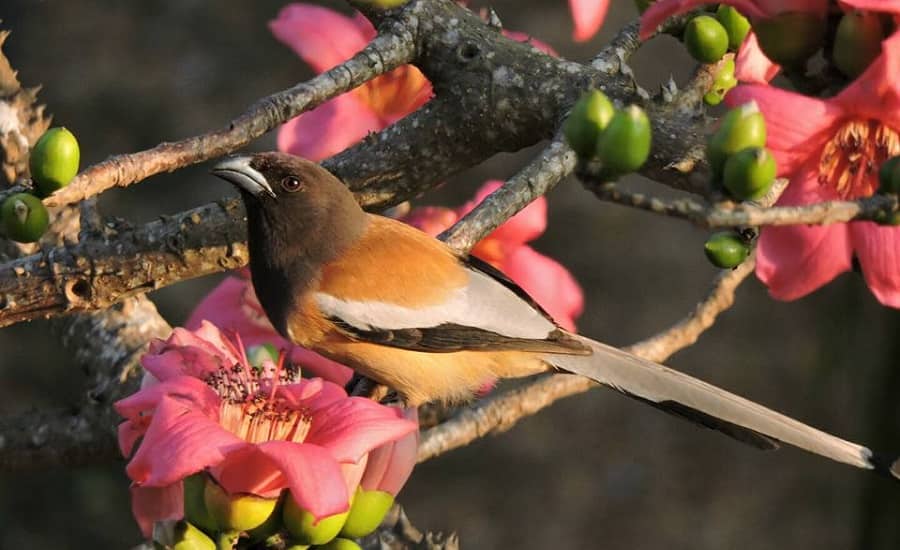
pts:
[730, 214]
[540, 176]
[386, 52]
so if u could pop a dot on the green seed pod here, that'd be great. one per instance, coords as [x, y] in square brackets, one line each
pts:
[195, 504]
[589, 117]
[366, 513]
[741, 127]
[857, 42]
[54, 160]
[341, 544]
[892, 219]
[726, 249]
[625, 144]
[303, 528]
[749, 173]
[723, 81]
[706, 39]
[24, 218]
[256, 355]
[188, 537]
[889, 176]
[238, 512]
[790, 38]
[736, 25]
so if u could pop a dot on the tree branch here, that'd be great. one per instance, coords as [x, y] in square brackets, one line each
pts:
[386, 52]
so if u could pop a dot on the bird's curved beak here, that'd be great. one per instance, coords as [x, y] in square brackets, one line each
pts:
[237, 170]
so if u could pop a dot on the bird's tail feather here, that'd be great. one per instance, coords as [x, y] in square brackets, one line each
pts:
[714, 408]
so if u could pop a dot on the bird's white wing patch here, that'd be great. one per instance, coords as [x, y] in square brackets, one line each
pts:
[483, 303]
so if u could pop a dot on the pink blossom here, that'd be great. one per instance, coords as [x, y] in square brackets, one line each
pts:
[588, 16]
[325, 38]
[831, 149]
[548, 282]
[233, 307]
[751, 65]
[390, 465]
[254, 430]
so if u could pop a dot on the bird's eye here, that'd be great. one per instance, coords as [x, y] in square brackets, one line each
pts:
[290, 184]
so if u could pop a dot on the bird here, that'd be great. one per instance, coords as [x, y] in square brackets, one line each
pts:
[404, 310]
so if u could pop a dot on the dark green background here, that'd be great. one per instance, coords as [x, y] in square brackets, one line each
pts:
[594, 471]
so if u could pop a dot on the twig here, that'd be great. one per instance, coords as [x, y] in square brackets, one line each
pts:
[498, 413]
[540, 176]
[386, 52]
[729, 214]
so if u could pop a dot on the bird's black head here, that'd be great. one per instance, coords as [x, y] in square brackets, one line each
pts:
[299, 217]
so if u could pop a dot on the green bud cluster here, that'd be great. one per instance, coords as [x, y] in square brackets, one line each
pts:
[53, 163]
[213, 518]
[708, 38]
[619, 140]
[737, 154]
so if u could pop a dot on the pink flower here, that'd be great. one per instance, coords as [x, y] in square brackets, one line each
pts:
[831, 149]
[588, 16]
[324, 39]
[548, 282]
[751, 65]
[255, 430]
[390, 465]
[233, 307]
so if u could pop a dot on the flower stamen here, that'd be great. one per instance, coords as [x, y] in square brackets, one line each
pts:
[850, 159]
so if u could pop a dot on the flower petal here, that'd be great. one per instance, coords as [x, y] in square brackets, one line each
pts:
[322, 37]
[882, 6]
[528, 39]
[796, 125]
[352, 427]
[328, 129]
[152, 504]
[548, 282]
[249, 470]
[313, 476]
[875, 94]
[795, 260]
[311, 363]
[391, 464]
[878, 250]
[751, 65]
[179, 442]
[588, 16]
[431, 219]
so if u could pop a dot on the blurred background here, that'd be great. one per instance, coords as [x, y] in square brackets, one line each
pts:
[597, 470]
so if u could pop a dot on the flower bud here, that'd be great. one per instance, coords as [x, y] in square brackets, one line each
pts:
[726, 249]
[723, 81]
[736, 25]
[790, 38]
[589, 117]
[305, 529]
[237, 512]
[749, 173]
[341, 544]
[24, 218]
[706, 39]
[366, 513]
[195, 504]
[889, 176]
[857, 42]
[741, 127]
[181, 535]
[625, 144]
[54, 160]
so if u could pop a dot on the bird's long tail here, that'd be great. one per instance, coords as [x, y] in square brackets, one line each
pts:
[714, 408]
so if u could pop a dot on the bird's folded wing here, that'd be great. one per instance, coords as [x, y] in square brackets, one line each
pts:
[402, 288]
